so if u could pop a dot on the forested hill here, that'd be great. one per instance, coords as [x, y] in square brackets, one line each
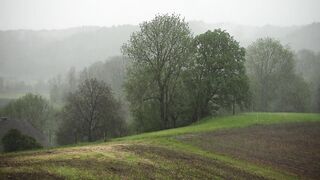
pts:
[54, 51]
[297, 37]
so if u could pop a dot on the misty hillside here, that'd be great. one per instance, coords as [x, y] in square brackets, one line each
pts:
[51, 52]
[30, 55]
[230, 147]
[297, 37]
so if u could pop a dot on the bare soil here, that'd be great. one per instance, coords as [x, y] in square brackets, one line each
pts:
[181, 165]
[149, 162]
[33, 176]
[293, 147]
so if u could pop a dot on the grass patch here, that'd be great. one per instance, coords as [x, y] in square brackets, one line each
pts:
[70, 172]
[292, 147]
[155, 155]
[262, 171]
[226, 122]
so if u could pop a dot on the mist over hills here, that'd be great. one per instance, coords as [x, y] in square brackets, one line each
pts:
[38, 55]
[297, 37]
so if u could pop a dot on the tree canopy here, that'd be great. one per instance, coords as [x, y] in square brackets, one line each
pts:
[158, 53]
[33, 108]
[216, 75]
[90, 113]
[174, 79]
[274, 83]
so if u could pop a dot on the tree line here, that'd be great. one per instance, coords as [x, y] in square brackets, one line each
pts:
[168, 77]
[175, 79]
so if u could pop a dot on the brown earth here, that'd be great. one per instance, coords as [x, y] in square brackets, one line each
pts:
[294, 147]
[33, 176]
[179, 165]
[147, 162]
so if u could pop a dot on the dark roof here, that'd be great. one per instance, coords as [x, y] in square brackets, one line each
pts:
[24, 127]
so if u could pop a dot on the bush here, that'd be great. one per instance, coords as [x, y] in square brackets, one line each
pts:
[13, 140]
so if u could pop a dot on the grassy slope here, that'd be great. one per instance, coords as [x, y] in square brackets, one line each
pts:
[238, 121]
[93, 160]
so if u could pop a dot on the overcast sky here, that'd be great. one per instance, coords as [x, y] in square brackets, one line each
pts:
[57, 14]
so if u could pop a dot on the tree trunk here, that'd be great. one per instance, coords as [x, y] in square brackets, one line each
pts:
[162, 109]
[264, 96]
[104, 136]
[174, 121]
[89, 134]
[233, 107]
[163, 116]
[75, 137]
[196, 114]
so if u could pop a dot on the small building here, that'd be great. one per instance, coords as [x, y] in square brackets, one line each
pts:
[24, 127]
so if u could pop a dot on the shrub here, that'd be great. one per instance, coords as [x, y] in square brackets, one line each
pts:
[13, 140]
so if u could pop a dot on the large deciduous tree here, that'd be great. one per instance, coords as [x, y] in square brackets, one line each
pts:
[308, 65]
[274, 84]
[158, 54]
[216, 76]
[90, 113]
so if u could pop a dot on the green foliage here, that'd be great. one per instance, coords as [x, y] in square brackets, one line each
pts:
[30, 107]
[13, 140]
[308, 66]
[216, 76]
[274, 84]
[292, 96]
[158, 54]
[36, 110]
[91, 113]
[174, 80]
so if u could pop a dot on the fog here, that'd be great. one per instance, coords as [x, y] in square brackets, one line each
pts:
[58, 14]
[51, 52]
[166, 89]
